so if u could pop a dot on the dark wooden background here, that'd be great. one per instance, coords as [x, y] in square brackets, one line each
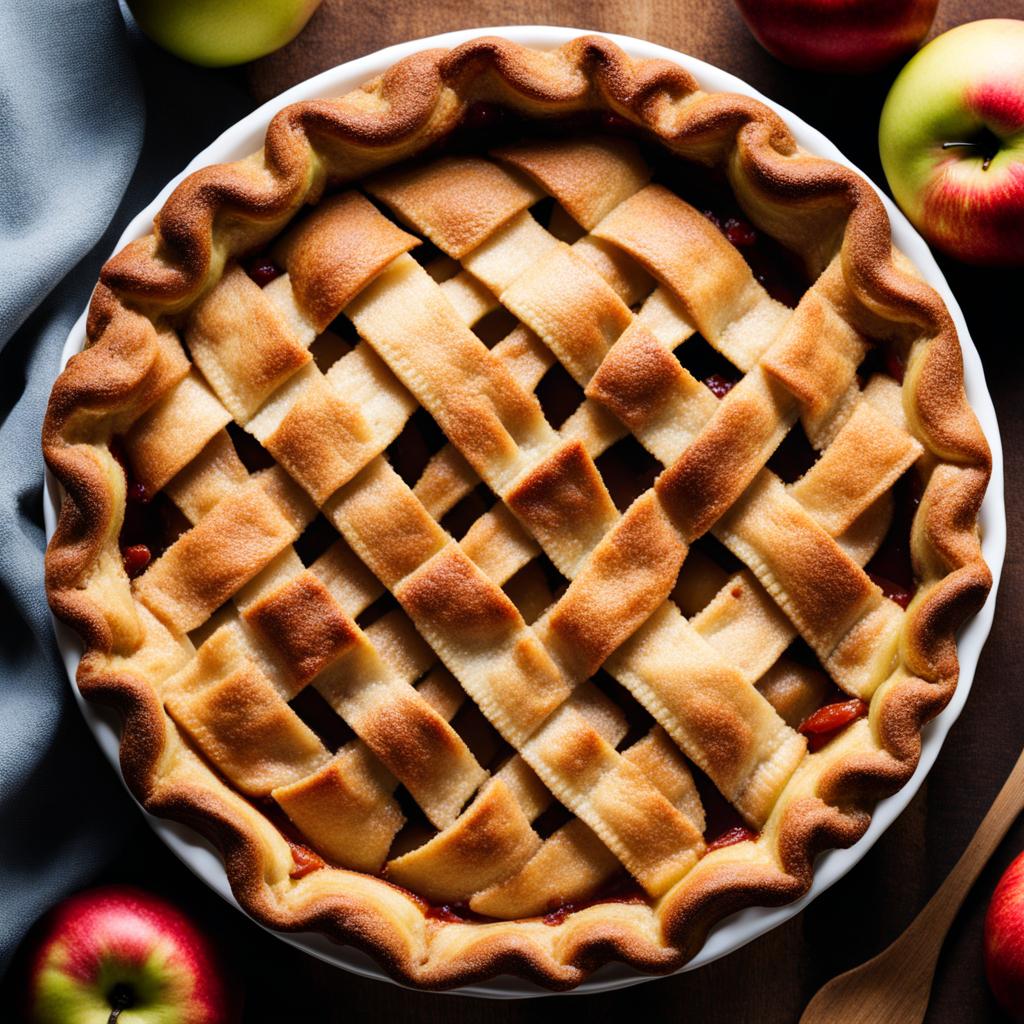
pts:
[770, 980]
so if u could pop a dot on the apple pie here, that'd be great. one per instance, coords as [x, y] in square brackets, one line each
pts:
[522, 514]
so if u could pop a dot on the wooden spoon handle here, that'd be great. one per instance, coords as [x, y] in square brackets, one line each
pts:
[937, 915]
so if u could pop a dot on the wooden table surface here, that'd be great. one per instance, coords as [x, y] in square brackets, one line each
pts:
[770, 980]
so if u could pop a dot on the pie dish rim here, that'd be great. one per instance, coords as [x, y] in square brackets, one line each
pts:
[235, 141]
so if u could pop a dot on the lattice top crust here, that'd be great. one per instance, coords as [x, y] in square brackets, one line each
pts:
[485, 628]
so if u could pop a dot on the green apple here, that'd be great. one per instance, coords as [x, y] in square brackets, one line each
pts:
[951, 140]
[216, 33]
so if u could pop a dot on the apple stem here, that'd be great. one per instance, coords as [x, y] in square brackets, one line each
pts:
[121, 998]
[970, 145]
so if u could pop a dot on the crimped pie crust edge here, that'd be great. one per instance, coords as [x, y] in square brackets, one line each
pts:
[238, 206]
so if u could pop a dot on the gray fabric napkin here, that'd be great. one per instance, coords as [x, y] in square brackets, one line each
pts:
[71, 127]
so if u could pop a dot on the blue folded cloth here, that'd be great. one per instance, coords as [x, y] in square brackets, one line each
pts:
[72, 117]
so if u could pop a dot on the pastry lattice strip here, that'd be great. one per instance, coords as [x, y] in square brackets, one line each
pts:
[499, 262]
[345, 804]
[205, 488]
[146, 587]
[913, 453]
[788, 632]
[314, 801]
[519, 227]
[297, 626]
[518, 247]
[681, 400]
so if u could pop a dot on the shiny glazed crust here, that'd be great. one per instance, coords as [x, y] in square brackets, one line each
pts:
[814, 206]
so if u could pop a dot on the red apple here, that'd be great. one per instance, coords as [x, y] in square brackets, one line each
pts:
[118, 950]
[838, 35]
[951, 139]
[1004, 940]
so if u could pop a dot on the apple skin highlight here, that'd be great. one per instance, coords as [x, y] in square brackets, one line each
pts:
[122, 936]
[951, 138]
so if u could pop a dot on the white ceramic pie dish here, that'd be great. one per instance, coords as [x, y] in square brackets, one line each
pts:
[247, 136]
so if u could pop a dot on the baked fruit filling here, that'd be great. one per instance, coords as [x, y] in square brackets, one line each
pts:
[494, 503]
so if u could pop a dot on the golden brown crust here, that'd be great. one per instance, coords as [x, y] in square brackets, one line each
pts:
[811, 204]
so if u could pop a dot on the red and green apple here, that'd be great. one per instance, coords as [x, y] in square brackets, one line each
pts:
[838, 35]
[119, 954]
[952, 141]
[216, 33]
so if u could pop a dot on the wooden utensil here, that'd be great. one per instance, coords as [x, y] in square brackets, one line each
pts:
[893, 987]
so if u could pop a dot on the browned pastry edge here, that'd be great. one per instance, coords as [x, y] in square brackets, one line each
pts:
[227, 209]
